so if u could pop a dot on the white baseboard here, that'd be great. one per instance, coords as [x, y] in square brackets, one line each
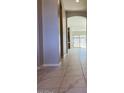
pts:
[51, 65]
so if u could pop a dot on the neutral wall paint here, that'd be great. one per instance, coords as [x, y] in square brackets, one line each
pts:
[39, 34]
[64, 34]
[64, 31]
[71, 5]
[50, 31]
[76, 13]
[74, 33]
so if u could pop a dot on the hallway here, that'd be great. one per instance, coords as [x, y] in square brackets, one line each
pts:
[70, 77]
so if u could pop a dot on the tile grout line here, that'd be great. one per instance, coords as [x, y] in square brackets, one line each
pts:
[64, 75]
[82, 70]
[63, 78]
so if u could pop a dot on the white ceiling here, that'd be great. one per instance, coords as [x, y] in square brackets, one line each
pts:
[71, 5]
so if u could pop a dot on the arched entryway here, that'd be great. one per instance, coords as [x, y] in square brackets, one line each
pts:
[77, 31]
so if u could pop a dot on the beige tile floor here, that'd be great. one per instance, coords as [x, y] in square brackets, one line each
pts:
[70, 77]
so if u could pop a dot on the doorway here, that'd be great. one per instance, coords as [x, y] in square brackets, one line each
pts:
[77, 29]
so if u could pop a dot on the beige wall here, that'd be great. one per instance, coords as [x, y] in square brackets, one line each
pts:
[39, 34]
[64, 32]
[76, 13]
[78, 33]
[63, 28]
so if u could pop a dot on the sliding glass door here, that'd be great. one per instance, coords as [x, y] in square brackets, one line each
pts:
[79, 41]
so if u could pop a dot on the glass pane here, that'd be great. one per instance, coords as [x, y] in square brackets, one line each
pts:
[79, 41]
[76, 41]
[83, 41]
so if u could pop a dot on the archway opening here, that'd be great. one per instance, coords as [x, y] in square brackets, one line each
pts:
[77, 31]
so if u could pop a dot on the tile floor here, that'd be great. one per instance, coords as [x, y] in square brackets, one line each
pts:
[70, 77]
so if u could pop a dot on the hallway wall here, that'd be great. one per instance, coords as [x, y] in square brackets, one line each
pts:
[76, 13]
[39, 34]
[50, 31]
[64, 32]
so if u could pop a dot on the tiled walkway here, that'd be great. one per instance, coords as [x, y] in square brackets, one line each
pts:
[69, 78]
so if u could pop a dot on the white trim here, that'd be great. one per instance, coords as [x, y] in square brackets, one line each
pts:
[52, 65]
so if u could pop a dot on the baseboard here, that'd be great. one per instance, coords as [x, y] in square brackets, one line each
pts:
[51, 65]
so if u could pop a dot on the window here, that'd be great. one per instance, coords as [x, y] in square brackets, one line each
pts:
[79, 41]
